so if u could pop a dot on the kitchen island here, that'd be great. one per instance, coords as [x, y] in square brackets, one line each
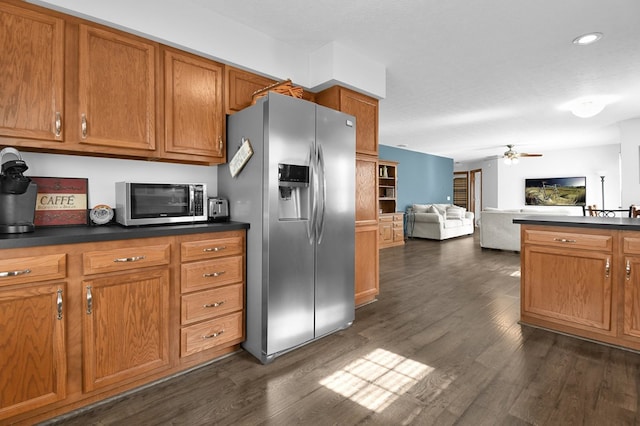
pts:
[581, 276]
[90, 312]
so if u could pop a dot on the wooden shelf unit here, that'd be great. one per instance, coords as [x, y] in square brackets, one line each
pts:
[390, 221]
[387, 186]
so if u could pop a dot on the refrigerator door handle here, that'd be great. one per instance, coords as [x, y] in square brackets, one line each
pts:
[322, 189]
[311, 223]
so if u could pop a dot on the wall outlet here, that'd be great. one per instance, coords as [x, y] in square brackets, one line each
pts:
[448, 198]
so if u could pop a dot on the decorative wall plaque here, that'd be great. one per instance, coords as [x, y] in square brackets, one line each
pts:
[60, 201]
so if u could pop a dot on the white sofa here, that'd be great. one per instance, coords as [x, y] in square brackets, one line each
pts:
[438, 221]
[497, 230]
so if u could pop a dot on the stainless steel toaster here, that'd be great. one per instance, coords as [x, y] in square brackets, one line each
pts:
[218, 209]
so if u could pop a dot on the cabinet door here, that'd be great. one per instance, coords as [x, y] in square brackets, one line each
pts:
[32, 70]
[33, 368]
[117, 99]
[569, 285]
[631, 322]
[365, 109]
[366, 264]
[386, 233]
[240, 88]
[366, 192]
[125, 327]
[194, 114]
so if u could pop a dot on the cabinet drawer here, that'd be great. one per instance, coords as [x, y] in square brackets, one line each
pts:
[95, 262]
[212, 303]
[211, 273]
[569, 239]
[398, 218]
[385, 218]
[210, 334]
[212, 248]
[32, 269]
[631, 245]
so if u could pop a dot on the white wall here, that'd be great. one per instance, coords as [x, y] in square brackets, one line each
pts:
[503, 186]
[630, 156]
[104, 172]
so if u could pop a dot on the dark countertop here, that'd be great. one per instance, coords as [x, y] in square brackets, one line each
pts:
[622, 223]
[47, 236]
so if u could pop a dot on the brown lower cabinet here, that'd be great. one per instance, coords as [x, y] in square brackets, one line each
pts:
[391, 228]
[582, 281]
[83, 322]
[366, 264]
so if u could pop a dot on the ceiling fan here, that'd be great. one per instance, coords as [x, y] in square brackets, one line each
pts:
[511, 156]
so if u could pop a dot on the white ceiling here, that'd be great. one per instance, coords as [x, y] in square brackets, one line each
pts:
[465, 78]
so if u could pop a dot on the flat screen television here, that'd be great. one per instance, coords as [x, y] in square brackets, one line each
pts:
[563, 191]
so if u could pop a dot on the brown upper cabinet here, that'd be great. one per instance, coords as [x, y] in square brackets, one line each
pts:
[74, 86]
[32, 70]
[363, 107]
[117, 89]
[193, 108]
[240, 88]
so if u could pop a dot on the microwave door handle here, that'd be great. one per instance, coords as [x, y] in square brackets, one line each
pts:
[192, 200]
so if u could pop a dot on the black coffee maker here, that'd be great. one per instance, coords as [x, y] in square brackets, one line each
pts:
[17, 194]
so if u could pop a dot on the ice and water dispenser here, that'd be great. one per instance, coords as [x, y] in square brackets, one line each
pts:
[293, 186]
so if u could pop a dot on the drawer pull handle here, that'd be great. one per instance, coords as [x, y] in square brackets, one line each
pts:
[214, 248]
[628, 271]
[607, 268]
[89, 300]
[14, 273]
[211, 336]
[213, 274]
[213, 305]
[564, 240]
[129, 259]
[59, 303]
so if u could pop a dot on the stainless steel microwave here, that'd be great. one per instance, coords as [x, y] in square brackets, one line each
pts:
[145, 203]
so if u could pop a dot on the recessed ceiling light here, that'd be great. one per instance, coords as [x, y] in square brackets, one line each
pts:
[586, 39]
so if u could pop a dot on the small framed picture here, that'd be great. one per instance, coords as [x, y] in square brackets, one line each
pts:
[60, 201]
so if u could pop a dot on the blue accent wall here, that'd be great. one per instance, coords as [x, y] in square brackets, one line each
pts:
[422, 178]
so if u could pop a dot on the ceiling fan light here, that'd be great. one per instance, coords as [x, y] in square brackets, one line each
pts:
[510, 160]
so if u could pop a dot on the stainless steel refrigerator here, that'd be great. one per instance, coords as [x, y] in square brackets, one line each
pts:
[297, 193]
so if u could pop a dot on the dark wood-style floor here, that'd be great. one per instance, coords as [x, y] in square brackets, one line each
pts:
[441, 346]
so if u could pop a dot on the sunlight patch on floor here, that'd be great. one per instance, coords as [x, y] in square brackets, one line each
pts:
[377, 379]
[515, 273]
